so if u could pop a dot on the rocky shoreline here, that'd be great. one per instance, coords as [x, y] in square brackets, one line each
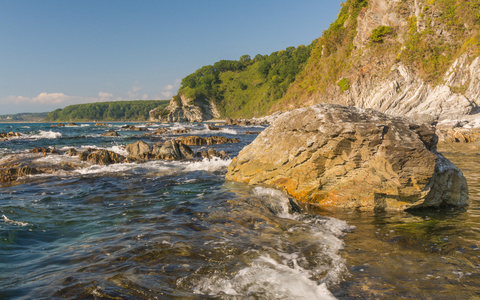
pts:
[40, 160]
[329, 155]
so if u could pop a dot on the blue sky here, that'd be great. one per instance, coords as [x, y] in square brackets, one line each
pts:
[56, 53]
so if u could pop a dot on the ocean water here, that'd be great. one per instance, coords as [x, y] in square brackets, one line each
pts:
[178, 230]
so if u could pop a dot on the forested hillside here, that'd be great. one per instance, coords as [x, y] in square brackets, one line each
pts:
[107, 111]
[247, 87]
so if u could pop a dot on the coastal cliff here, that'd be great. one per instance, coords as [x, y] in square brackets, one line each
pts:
[414, 58]
[408, 58]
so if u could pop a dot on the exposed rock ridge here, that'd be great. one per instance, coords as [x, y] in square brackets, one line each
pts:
[182, 109]
[381, 79]
[402, 91]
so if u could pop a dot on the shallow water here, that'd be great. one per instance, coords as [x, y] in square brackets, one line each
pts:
[422, 255]
[163, 230]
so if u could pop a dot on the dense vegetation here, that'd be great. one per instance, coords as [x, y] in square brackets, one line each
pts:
[23, 117]
[330, 59]
[247, 87]
[107, 111]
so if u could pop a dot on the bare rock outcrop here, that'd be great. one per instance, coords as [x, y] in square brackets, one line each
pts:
[338, 156]
[183, 109]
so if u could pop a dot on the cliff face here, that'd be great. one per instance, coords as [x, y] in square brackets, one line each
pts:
[408, 58]
[182, 109]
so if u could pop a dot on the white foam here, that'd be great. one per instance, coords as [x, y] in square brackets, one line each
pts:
[167, 167]
[205, 130]
[85, 125]
[116, 148]
[45, 135]
[276, 200]
[268, 278]
[9, 221]
[100, 169]
[210, 165]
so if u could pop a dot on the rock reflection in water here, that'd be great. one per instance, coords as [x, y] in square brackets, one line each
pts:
[418, 255]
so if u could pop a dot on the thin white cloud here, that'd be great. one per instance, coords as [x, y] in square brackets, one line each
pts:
[166, 94]
[169, 90]
[104, 95]
[135, 92]
[50, 98]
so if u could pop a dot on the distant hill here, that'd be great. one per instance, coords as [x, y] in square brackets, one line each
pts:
[24, 117]
[136, 110]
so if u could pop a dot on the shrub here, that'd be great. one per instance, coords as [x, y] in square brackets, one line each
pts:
[344, 84]
[379, 32]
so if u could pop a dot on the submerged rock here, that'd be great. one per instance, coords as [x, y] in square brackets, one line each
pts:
[338, 156]
[110, 133]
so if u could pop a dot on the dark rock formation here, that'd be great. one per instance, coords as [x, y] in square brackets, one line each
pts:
[338, 156]
[194, 140]
[211, 153]
[101, 157]
[134, 128]
[6, 135]
[110, 133]
[45, 150]
[12, 171]
[139, 151]
[213, 128]
[172, 150]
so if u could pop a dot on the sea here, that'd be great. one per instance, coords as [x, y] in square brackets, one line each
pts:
[178, 230]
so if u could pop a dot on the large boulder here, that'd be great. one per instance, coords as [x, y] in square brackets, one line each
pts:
[338, 156]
